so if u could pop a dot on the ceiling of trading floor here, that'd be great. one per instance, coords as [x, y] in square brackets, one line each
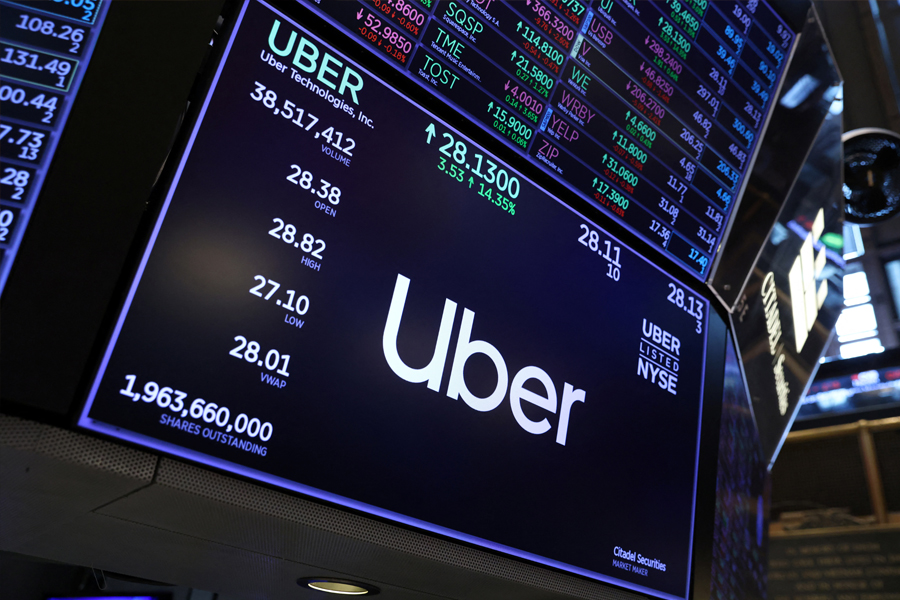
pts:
[869, 70]
[865, 40]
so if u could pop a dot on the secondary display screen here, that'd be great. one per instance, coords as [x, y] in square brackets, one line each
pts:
[45, 48]
[651, 111]
[344, 296]
[851, 394]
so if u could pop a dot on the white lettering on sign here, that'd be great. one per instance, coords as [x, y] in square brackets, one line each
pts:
[659, 355]
[776, 349]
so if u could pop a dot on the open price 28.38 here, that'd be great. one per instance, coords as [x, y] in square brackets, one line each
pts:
[208, 412]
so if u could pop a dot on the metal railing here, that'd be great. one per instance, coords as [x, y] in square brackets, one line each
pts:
[864, 431]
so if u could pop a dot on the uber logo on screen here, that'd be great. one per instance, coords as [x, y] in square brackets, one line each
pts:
[465, 348]
[658, 361]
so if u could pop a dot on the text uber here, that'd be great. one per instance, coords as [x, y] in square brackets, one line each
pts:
[465, 348]
[308, 59]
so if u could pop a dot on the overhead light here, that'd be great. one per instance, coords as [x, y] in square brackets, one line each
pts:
[799, 92]
[334, 587]
[343, 587]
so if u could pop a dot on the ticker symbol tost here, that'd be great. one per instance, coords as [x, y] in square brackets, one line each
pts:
[183, 413]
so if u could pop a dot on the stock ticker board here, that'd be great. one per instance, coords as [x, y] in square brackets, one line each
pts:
[342, 290]
[651, 111]
[45, 47]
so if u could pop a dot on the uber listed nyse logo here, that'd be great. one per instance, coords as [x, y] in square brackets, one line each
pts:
[659, 355]
[465, 348]
[806, 298]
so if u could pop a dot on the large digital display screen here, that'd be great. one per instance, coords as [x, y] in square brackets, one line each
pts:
[45, 47]
[851, 395]
[651, 111]
[345, 296]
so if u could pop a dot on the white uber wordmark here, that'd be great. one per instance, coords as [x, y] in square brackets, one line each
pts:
[659, 356]
[466, 348]
[806, 298]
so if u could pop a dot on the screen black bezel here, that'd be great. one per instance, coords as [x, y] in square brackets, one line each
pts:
[134, 239]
